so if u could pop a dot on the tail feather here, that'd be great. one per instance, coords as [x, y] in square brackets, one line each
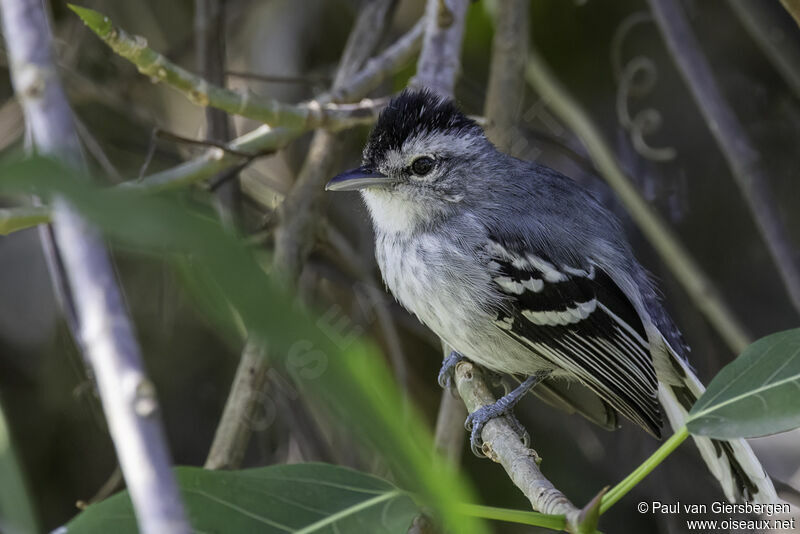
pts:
[732, 462]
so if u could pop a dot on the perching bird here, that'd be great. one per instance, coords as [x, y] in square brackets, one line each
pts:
[524, 272]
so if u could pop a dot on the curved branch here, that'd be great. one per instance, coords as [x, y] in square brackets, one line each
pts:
[261, 140]
[741, 154]
[105, 330]
[294, 236]
[437, 68]
[306, 116]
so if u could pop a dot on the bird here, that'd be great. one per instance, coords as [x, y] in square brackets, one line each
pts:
[524, 272]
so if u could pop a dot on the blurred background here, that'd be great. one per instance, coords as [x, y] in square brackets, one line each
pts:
[611, 58]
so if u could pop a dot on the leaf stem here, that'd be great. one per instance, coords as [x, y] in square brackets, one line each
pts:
[619, 491]
[523, 517]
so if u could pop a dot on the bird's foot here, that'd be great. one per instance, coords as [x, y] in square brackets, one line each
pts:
[447, 371]
[501, 408]
[448, 368]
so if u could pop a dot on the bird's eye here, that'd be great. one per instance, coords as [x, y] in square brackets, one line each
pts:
[422, 165]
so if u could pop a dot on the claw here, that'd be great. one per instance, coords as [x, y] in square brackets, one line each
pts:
[478, 419]
[448, 367]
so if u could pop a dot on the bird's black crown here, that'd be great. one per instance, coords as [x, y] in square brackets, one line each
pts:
[412, 113]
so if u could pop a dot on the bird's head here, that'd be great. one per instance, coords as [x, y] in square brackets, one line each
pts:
[420, 161]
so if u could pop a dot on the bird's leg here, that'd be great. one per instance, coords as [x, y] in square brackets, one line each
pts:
[448, 367]
[478, 419]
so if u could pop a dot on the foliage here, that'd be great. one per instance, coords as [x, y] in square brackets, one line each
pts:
[301, 498]
[752, 396]
[16, 512]
[343, 373]
[756, 394]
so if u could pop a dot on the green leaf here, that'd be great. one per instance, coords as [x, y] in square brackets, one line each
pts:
[298, 498]
[756, 394]
[16, 509]
[333, 367]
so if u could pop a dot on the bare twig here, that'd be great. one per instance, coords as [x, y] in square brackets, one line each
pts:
[439, 64]
[94, 148]
[377, 69]
[264, 138]
[163, 134]
[742, 156]
[294, 235]
[696, 283]
[110, 347]
[233, 433]
[200, 91]
[299, 215]
[437, 69]
[210, 44]
[506, 73]
[377, 300]
[793, 7]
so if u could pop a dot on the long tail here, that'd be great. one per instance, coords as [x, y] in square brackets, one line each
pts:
[732, 462]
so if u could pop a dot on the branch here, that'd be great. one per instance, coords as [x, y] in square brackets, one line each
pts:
[501, 444]
[696, 283]
[210, 37]
[309, 115]
[299, 211]
[295, 234]
[264, 138]
[793, 7]
[506, 89]
[107, 338]
[742, 156]
[234, 429]
[764, 22]
[439, 64]
[437, 68]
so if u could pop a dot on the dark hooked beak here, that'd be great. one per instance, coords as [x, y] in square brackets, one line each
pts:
[356, 179]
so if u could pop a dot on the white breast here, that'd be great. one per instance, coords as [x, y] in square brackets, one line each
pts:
[450, 290]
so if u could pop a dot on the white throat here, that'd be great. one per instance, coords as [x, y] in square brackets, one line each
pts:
[390, 214]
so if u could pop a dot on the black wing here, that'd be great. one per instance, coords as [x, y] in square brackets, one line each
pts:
[578, 319]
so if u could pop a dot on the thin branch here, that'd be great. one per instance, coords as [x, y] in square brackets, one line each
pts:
[764, 22]
[296, 230]
[377, 300]
[378, 68]
[741, 154]
[502, 444]
[439, 63]
[298, 213]
[506, 88]
[233, 433]
[200, 91]
[210, 52]
[696, 283]
[265, 138]
[793, 7]
[437, 68]
[107, 338]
